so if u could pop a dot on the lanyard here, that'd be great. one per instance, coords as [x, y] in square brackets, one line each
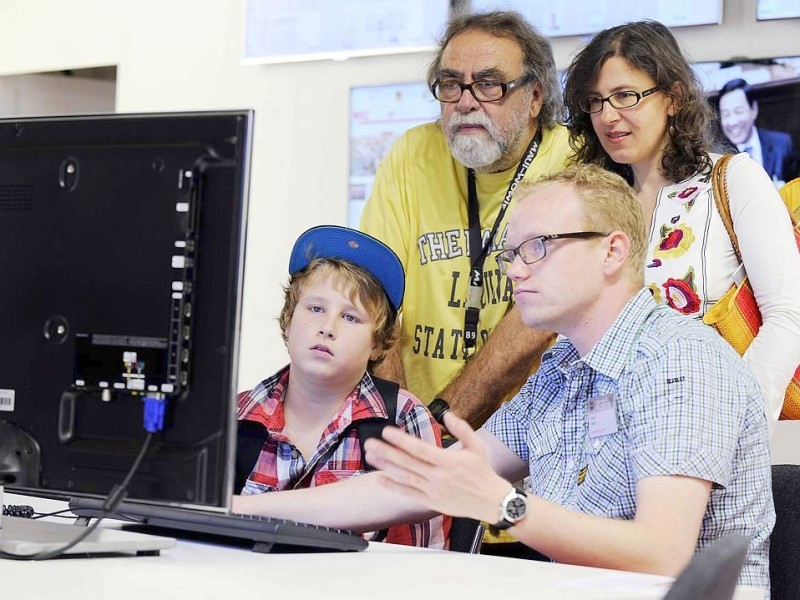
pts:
[479, 251]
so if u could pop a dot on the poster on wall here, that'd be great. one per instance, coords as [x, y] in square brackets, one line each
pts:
[379, 115]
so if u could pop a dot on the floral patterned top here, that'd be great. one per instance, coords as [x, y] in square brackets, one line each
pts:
[690, 263]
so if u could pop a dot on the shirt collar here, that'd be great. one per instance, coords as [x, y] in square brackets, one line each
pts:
[752, 142]
[619, 340]
[364, 402]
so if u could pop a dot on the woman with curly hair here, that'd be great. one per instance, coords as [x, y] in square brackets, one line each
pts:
[636, 108]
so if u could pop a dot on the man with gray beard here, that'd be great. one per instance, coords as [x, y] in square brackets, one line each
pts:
[440, 201]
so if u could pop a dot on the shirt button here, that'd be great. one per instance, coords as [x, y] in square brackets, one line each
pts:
[596, 444]
[295, 454]
[570, 464]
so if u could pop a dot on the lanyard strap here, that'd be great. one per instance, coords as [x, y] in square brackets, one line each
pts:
[479, 249]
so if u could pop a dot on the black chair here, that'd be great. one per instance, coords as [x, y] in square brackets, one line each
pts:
[466, 535]
[712, 574]
[784, 543]
[250, 438]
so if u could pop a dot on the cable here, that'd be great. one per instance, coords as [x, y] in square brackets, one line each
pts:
[115, 496]
[65, 513]
[18, 510]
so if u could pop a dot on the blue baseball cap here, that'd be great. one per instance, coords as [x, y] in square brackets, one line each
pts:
[333, 241]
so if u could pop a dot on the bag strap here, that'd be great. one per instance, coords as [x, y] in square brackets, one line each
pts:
[369, 428]
[720, 192]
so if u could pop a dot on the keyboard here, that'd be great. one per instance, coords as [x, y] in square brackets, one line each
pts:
[261, 534]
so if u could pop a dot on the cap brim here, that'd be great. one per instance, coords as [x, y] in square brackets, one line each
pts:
[369, 253]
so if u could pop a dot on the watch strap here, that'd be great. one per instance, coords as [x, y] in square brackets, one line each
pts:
[505, 523]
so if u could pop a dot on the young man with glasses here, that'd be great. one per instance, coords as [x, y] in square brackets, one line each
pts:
[440, 201]
[634, 463]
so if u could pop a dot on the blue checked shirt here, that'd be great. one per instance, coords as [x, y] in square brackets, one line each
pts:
[685, 405]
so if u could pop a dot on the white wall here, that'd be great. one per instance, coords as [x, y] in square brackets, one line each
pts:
[185, 55]
[27, 95]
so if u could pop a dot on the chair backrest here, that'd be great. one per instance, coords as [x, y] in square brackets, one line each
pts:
[466, 535]
[784, 543]
[712, 573]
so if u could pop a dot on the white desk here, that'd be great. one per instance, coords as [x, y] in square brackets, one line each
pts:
[199, 571]
[785, 443]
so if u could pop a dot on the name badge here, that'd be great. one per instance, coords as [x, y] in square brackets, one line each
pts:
[602, 415]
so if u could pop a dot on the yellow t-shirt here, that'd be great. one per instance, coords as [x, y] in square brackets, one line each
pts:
[418, 207]
[790, 193]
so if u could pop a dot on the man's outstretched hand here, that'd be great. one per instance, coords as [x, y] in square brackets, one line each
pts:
[458, 481]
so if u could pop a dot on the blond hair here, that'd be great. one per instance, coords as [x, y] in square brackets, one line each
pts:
[609, 204]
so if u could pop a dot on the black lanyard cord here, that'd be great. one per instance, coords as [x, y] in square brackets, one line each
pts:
[478, 249]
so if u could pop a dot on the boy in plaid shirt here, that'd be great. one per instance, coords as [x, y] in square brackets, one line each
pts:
[338, 320]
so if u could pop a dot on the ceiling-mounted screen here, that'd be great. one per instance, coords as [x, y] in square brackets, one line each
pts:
[300, 30]
[777, 9]
[579, 17]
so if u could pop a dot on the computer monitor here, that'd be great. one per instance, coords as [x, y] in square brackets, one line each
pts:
[774, 85]
[121, 255]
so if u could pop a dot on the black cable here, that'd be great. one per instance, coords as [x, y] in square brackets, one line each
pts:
[18, 510]
[115, 496]
[65, 513]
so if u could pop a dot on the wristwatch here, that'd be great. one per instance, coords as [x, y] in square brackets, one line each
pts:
[512, 509]
[438, 407]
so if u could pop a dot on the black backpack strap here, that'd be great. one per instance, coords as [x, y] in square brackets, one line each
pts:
[250, 439]
[370, 428]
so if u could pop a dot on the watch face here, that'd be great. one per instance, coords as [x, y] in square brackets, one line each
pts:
[515, 508]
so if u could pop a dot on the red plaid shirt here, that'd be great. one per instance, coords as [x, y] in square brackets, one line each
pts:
[281, 466]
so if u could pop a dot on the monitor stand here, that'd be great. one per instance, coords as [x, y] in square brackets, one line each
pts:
[26, 537]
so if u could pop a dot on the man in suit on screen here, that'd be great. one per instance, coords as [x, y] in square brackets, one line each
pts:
[774, 150]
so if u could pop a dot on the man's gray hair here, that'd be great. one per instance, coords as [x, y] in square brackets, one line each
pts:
[537, 54]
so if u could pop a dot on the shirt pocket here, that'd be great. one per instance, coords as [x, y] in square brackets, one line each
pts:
[608, 487]
[544, 456]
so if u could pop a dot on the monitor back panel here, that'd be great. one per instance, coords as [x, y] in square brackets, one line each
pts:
[121, 253]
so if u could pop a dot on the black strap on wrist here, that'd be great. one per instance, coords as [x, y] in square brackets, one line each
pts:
[438, 408]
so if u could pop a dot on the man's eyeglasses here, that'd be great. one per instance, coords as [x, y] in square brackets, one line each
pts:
[484, 90]
[626, 99]
[535, 249]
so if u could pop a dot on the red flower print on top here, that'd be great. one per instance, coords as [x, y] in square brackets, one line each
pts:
[689, 194]
[674, 242]
[681, 294]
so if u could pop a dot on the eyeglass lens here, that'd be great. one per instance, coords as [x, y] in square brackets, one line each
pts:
[530, 251]
[486, 91]
[625, 99]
